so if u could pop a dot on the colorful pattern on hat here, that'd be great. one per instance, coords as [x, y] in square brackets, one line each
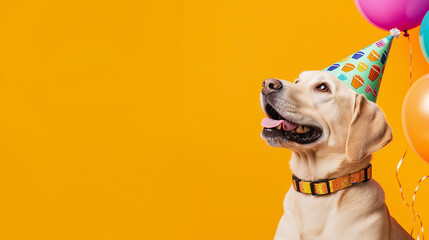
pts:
[363, 70]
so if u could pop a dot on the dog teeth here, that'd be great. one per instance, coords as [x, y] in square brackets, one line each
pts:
[279, 127]
[301, 129]
[306, 129]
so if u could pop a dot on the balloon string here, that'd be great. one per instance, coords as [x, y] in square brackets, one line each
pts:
[399, 182]
[412, 206]
[415, 214]
[411, 55]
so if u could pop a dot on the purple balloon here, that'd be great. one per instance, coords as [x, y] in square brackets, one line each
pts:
[388, 14]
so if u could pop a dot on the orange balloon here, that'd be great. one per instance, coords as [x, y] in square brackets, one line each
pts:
[415, 117]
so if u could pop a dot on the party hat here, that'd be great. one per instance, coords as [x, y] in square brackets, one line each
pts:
[363, 70]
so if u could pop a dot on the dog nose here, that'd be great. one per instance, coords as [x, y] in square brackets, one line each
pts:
[271, 85]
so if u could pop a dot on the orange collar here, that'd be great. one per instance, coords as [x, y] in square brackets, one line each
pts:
[327, 186]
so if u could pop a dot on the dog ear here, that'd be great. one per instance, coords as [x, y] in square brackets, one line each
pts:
[368, 130]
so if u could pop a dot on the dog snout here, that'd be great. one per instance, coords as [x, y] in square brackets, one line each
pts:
[271, 85]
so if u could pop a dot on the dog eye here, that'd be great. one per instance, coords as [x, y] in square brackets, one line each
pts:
[323, 87]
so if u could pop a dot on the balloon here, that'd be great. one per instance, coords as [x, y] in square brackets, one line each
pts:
[388, 14]
[415, 117]
[424, 36]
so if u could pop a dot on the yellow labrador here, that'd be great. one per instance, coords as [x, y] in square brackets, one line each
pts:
[332, 132]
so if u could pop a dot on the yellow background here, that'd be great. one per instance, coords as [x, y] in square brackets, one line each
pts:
[141, 120]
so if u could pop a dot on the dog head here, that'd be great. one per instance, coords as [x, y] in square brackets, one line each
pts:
[319, 113]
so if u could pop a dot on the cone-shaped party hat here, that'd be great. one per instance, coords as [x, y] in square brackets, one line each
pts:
[363, 70]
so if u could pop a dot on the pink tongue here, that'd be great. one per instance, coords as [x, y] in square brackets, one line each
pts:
[271, 123]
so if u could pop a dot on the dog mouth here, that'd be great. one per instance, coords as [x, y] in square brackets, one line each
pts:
[276, 126]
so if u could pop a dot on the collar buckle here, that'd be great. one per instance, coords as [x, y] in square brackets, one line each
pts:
[366, 177]
[296, 183]
[313, 191]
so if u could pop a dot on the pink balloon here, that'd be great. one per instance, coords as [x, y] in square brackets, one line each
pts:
[388, 14]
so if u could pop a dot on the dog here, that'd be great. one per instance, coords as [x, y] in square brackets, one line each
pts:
[332, 132]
